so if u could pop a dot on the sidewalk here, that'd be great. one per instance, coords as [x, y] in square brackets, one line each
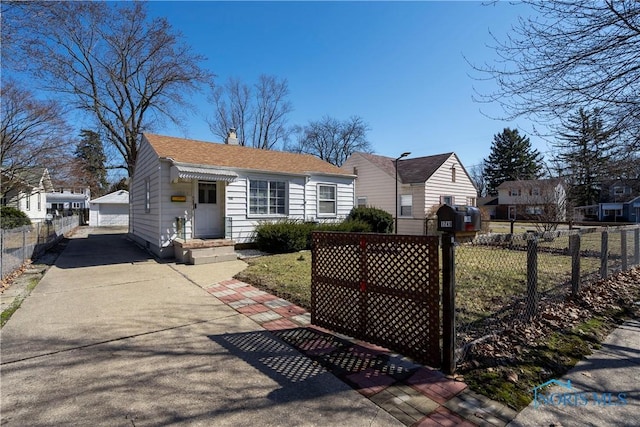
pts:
[603, 389]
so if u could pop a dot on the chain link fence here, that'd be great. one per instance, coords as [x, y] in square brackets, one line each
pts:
[501, 278]
[18, 245]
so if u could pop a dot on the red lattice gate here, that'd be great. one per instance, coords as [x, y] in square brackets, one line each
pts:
[380, 288]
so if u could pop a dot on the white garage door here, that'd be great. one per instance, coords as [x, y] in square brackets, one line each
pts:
[113, 214]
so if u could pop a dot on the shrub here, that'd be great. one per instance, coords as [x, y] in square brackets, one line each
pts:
[11, 217]
[283, 236]
[380, 221]
[348, 226]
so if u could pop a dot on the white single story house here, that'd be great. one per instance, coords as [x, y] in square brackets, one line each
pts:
[421, 185]
[183, 190]
[110, 210]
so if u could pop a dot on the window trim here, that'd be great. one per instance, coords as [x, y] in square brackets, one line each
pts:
[410, 215]
[28, 201]
[442, 201]
[268, 214]
[334, 200]
[147, 195]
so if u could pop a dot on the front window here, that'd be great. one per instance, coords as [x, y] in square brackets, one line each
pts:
[618, 191]
[406, 202]
[267, 197]
[29, 202]
[535, 191]
[514, 192]
[327, 200]
[362, 202]
[39, 201]
[453, 174]
[471, 201]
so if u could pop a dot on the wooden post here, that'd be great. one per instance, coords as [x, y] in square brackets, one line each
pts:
[574, 250]
[604, 255]
[623, 250]
[636, 247]
[532, 276]
[448, 304]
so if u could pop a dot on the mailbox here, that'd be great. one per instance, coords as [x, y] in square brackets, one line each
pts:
[458, 219]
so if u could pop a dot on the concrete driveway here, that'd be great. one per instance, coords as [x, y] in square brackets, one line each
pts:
[112, 337]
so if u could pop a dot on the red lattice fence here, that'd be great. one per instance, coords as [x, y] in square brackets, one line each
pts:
[383, 289]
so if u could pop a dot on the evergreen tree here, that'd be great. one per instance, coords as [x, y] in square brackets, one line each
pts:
[512, 158]
[584, 156]
[91, 162]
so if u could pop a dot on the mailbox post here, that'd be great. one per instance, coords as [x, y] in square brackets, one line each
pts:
[455, 222]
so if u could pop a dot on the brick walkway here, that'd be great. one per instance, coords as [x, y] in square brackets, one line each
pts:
[416, 395]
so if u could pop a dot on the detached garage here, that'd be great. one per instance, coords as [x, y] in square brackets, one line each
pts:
[110, 210]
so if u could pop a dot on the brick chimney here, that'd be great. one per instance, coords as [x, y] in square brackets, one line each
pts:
[232, 137]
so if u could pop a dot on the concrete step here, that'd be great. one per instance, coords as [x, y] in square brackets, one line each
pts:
[199, 258]
[220, 250]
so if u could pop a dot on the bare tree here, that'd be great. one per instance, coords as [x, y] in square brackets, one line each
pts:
[333, 140]
[476, 172]
[33, 134]
[233, 109]
[572, 54]
[258, 113]
[109, 60]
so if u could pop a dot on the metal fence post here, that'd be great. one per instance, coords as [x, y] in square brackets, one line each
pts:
[448, 304]
[574, 250]
[604, 254]
[623, 250]
[532, 276]
[2, 252]
[24, 243]
[636, 246]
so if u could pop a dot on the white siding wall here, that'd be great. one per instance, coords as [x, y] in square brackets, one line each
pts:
[169, 210]
[373, 183]
[440, 184]
[144, 226]
[298, 189]
[35, 214]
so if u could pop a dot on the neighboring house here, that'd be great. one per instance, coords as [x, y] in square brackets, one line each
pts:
[489, 204]
[110, 210]
[540, 199]
[186, 189]
[620, 201]
[65, 199]
[424, 183]
[26, 191]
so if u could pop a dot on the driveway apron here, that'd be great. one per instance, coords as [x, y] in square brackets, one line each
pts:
[112, 337]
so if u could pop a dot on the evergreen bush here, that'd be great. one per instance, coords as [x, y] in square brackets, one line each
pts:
[11, 217]
[380, 221]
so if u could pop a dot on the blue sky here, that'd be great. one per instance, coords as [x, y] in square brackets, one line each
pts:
[398, 65]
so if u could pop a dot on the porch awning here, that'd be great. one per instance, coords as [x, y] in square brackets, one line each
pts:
[202, 173]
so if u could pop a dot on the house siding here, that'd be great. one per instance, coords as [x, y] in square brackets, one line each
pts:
[143, 226]
[440, 184]
[298, 189]
[372, 182]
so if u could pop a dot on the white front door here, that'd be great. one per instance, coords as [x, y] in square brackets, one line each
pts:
[208, 221]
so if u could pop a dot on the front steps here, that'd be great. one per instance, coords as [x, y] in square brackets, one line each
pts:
[204, 251]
